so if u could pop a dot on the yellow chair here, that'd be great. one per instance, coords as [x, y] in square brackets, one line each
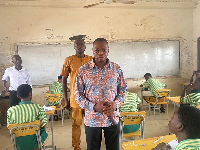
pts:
[25, 129]
[131, 118]
[160, 98]
[54, 98]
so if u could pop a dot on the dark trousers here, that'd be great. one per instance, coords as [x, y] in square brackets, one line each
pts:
[14, 100]
[94, 137]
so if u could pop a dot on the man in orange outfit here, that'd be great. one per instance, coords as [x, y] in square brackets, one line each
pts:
[71, 66]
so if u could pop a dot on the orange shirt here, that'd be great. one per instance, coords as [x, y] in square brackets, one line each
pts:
[71, 66]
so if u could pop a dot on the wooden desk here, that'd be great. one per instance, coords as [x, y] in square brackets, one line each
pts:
[147, 144]
[51, 113]
[142, 90]
[177, 102]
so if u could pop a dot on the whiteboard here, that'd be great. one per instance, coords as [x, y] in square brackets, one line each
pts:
[160, 58]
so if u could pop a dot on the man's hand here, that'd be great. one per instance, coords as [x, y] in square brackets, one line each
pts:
[67, 105]
[162, 146]
[109, 109]
[3, 93]
[99, 107]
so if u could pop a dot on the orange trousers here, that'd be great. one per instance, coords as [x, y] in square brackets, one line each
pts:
[77, 116]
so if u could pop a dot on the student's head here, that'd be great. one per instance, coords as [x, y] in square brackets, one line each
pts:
[100, 49]
[16, 59]
[60, 79]
[186, 121]
[196, 86]
[197, 73]
[147, 76]
[24, 91]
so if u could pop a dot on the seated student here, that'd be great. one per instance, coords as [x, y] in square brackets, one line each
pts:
[26, 111]
[130, 105]
[56, 88]
[185, 125]
[153, 85]
[197, 74]
[193, 98]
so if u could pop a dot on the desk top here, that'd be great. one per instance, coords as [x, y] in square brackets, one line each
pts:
[51, 112]
[147, 143]
[187, 83]
[175, 99]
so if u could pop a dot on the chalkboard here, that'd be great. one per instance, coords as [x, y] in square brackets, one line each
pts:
[160, 58]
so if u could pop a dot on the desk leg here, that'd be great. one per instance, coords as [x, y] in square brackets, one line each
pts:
[142, 98]
[52, 132]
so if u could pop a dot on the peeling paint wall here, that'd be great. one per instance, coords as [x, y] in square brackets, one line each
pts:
[48, 25]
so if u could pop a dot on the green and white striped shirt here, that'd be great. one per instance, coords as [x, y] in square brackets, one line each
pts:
[26, 111]
[189, 144]
[130, 104]
[55, 88]
[153, 85]
[193, 99]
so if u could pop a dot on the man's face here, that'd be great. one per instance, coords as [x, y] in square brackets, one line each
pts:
[147, 77]
[100, 51]
[17, 61]
[79, 46]
[174, 123]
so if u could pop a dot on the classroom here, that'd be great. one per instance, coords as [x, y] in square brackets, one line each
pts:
[50, 22]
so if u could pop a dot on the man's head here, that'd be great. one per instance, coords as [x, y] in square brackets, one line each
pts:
[187, 121]
[60, 79]
[79, 46]
[100, 49]
[16, 59]
[24, 91]
[147, 76]
[197, 73]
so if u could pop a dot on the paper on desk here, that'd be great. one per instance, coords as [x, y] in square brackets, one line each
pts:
[47, 108]
[173, 144]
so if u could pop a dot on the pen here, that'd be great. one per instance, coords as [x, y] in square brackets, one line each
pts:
[158, 139]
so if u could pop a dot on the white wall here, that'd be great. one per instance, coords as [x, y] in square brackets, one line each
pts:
[20, 24]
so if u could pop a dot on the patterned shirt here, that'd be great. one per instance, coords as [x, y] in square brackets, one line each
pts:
[71, 66]
[130, 104]
[189, 144]
[154, 85]
[55, 88]
[17, 77]
[94, 84]
[193, 99]
[26, 111]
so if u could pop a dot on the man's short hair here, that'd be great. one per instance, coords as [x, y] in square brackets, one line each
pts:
[24, 90]
[15, 56]
[100, 40]
[147, 74]
[189, 116]
[59, 77]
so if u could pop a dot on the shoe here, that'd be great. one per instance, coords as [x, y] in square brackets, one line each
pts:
[162, 110]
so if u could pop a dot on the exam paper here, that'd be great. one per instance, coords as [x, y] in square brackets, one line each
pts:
[47, 108]
[173, 144]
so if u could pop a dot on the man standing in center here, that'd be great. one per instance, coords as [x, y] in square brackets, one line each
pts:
[100, 82]
[71, 66]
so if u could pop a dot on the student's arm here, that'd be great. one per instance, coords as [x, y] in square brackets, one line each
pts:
[42, 117]
[184, 91]
[29, 79]
[145, 84]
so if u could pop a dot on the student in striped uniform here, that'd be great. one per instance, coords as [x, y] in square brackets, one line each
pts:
[193, 98]
[185, 125]
[56, 88]
[153, 85]
[130, 105]
[26, 111]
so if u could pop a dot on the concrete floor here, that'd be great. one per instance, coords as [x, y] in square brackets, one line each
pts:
[63, 139]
